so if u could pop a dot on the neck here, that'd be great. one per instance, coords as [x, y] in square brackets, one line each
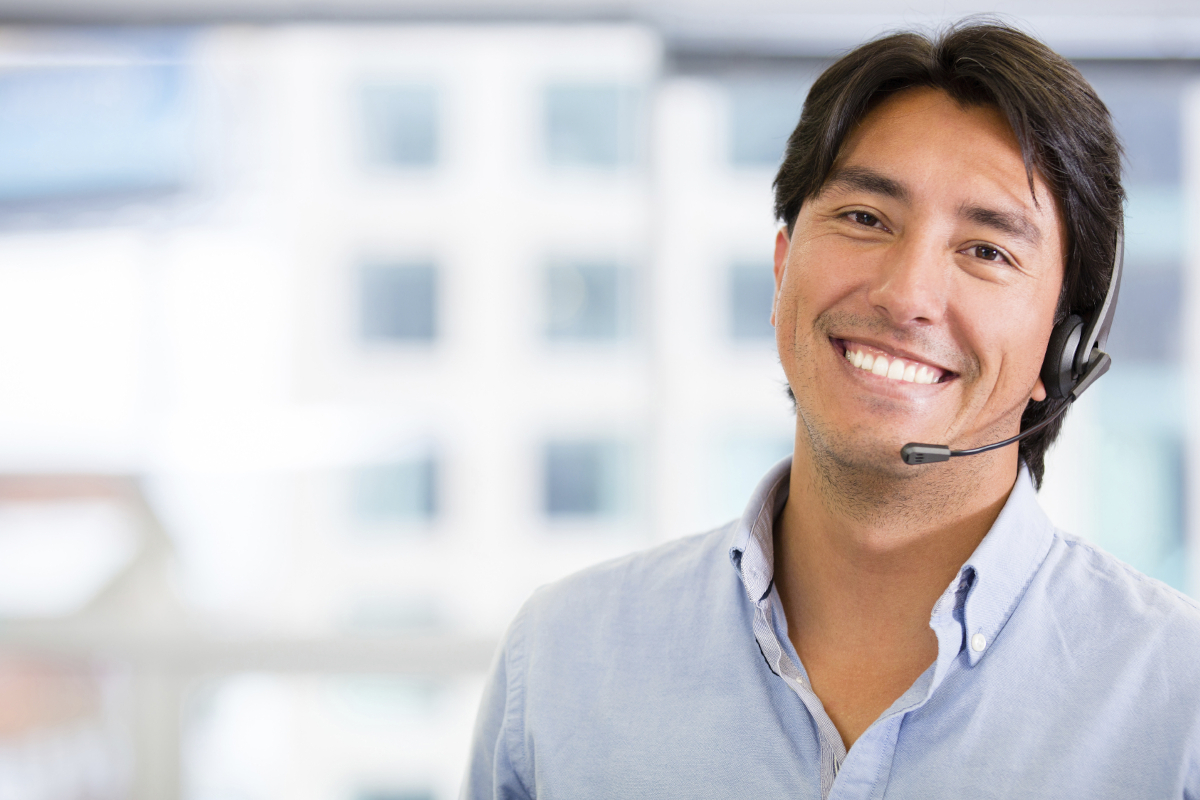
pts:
[861, 557]
[874, 509]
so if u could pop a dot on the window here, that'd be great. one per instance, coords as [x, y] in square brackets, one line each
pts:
[93, 132]
[591, 125]
[1148, 324]
[403, 491]
[589, 301]
[1145, 101]
[762, 115]
[398, 302]
[1141, 521]
[1147, 107]
[586, 478]
[400, 125]
[739, 462]
[751, 293]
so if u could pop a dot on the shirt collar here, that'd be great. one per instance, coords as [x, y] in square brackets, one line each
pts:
[978, 601]
[753, 550]
[994, 578]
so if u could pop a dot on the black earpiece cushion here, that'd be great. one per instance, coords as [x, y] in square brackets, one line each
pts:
[1057, 368]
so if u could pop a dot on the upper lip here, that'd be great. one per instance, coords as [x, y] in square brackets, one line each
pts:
[893, 351]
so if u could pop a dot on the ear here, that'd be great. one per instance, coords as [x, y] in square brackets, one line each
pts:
[782, 243]
[1039, 391]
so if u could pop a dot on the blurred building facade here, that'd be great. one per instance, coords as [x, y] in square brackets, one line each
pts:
[395, 323]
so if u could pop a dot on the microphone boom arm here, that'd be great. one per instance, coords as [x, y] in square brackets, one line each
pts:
[917, 453]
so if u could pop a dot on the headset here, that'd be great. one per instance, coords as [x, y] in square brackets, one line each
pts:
[1075, 359]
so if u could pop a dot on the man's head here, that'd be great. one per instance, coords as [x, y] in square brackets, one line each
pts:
[998, 100]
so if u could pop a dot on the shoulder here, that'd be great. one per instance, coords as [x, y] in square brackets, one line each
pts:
[1106, 656]
[1106, 607]
[634, 610]
[639, 588]
[1078, 566]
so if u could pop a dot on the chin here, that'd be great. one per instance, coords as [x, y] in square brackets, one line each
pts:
[839, 456]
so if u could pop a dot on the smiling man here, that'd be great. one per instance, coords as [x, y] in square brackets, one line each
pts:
[952, 213]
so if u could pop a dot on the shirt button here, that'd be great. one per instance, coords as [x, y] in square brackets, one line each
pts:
[978, 642]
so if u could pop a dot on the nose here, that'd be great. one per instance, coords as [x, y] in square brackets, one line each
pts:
[910, 285]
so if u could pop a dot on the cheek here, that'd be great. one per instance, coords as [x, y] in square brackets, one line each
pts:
[1039, 324]
[1025, 333]
[794, 311]
[819, 277]
[1031, 355]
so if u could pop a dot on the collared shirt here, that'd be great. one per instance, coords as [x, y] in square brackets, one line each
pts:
[1060, 673]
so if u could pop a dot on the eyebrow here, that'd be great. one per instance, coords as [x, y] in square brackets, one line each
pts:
[1012, 223]
[865, 179]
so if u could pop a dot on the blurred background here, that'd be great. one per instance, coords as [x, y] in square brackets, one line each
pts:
[329, 331]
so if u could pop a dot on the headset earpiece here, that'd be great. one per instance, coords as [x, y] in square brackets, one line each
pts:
[1075, 355]
[1058, 369]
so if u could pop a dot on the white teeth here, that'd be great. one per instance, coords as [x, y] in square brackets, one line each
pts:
[895, 369]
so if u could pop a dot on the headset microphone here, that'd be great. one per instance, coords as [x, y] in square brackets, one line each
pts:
[1075, 359]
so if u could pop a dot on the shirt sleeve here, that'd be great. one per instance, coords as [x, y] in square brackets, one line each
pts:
[492, 773]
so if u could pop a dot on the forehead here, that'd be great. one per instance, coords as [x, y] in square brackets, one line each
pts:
[916, 129]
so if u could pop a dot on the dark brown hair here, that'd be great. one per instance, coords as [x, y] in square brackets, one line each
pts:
[1064, 131]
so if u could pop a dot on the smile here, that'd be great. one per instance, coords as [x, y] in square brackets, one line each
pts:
[892, 367]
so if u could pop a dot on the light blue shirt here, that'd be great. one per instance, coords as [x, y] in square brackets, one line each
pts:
[1061, 673]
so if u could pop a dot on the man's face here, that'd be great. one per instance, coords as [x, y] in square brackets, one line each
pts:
[916, 294]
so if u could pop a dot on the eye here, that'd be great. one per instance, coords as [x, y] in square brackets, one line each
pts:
[988, 253]
[865, 218]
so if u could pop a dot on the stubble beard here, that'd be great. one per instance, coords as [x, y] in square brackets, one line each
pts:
[867, 481]
[871, 484]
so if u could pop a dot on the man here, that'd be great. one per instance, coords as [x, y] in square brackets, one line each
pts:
[887, 629]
